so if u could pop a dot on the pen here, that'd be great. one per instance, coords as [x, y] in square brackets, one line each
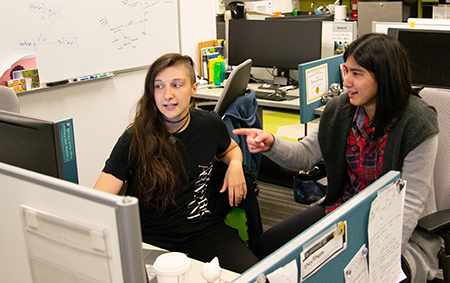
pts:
[85, 78]
[102, 75]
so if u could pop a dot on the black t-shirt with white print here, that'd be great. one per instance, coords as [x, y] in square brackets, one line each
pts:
[205, 136]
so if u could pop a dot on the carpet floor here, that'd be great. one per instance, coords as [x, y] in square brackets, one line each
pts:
[276, 203]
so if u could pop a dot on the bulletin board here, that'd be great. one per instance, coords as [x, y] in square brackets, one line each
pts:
[78, 38]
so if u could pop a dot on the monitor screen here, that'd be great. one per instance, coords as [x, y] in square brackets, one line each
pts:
[41, 146]
[280, 44]
[428, 55]
[58, 231]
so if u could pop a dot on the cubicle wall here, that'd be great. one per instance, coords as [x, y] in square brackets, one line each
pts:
[338, 248]
[314, 80]
[57, 231]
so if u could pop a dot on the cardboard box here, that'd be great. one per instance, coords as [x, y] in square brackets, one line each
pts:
[33, 74]
[19, 85]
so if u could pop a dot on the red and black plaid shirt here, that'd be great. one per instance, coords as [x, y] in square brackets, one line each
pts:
[365, 148]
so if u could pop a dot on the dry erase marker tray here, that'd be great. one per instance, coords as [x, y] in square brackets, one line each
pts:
[72, 81]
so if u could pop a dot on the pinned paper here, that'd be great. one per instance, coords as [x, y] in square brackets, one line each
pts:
[322, 249]
[385, 234]
[357, 271]
[285, 274]
[316, 83]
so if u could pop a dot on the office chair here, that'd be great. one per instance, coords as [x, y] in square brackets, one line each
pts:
[235, 86]
[439, 222]
[245, 218]
[8, 100]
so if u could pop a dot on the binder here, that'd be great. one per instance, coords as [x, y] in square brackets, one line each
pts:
[355, 213]
[64, 136]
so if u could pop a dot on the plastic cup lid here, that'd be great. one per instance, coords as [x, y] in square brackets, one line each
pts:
[172, 263]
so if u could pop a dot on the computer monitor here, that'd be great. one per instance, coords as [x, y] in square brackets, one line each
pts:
[428, 52]
[58, 231]
[42, 146]
[274, 44]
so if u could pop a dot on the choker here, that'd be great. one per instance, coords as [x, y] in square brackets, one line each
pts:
[175, 122]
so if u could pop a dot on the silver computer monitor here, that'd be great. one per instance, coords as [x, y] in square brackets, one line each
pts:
[58, 231]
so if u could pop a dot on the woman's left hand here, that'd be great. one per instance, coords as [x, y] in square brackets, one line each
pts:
[235, 182]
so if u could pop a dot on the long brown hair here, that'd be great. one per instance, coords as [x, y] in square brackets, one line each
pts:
[159, 166]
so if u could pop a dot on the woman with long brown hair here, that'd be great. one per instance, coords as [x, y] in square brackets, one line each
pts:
[166, 157]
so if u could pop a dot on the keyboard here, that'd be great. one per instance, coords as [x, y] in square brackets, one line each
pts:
[269, 96]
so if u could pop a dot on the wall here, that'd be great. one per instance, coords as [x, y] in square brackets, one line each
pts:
[102, 109]
[197, 24]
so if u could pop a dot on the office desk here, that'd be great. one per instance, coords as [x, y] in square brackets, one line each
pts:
[196, 269]
[319, 110]
[292, 102]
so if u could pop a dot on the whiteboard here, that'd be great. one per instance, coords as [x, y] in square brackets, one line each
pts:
[78, 38]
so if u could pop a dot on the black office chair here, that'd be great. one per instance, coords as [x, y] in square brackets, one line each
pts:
[245, 218]
[439, 222]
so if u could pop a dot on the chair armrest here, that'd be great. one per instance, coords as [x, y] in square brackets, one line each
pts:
[437, 223]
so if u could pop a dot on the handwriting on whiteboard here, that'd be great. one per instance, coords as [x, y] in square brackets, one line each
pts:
[45, 19]
[128, 31]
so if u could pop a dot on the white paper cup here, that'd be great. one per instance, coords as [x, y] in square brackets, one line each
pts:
[172, 267]
[340, 12]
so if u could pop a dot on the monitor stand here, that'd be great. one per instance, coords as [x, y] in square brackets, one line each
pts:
[282, 80]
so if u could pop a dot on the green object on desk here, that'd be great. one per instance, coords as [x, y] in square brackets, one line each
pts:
[216, 71]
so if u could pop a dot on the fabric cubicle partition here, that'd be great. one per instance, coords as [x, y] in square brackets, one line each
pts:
[312, 76]
[306, 258]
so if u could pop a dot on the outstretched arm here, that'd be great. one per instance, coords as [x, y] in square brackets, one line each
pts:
[294, 156]
[234, 177]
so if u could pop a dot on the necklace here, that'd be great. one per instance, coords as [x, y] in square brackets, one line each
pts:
[172, 138]
[175, 122]
[184, 124]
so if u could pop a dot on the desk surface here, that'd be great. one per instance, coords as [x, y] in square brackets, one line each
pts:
[196, 270]
[293, 101]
